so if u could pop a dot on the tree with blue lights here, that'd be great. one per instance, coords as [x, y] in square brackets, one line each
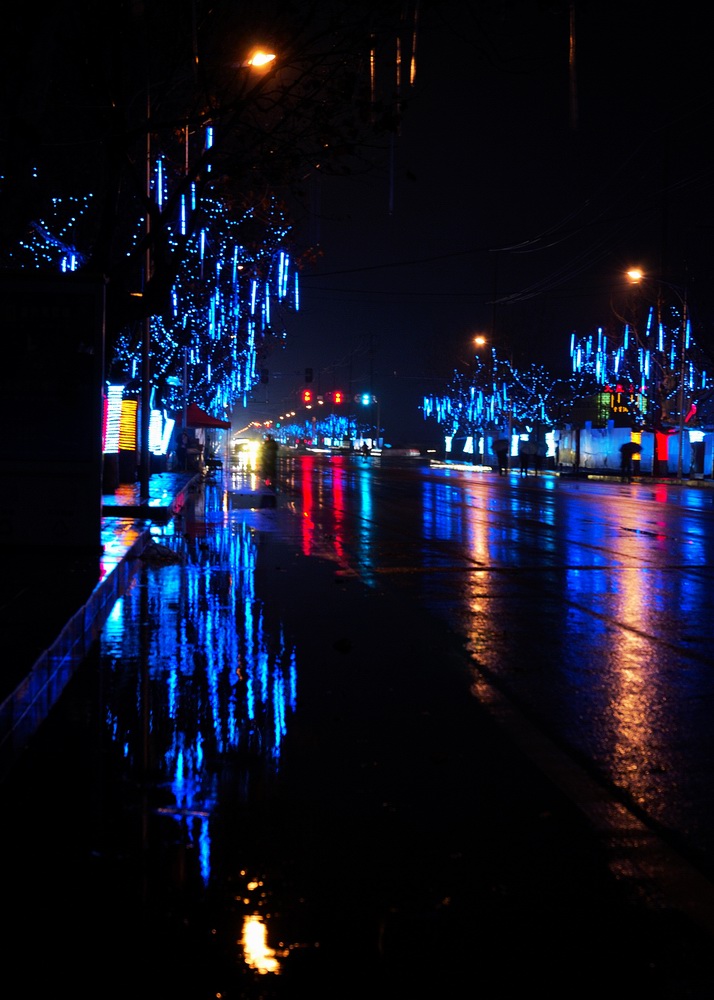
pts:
[492, 399]
[648, 364]
[652, 359]
[143, 148]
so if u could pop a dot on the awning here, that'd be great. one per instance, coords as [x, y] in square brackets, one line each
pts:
[196, 417]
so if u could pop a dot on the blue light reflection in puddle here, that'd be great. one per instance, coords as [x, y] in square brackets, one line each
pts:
[198, 687]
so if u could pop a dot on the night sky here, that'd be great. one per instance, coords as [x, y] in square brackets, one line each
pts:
[511, 203]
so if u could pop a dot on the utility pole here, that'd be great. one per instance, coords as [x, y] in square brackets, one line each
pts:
[144, 455]
[682, 372]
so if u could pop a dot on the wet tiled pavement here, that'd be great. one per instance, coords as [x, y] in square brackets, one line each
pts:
[165, 498]
[57, 606]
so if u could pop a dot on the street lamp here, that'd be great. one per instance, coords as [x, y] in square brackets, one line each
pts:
[636, 275]
[482, 341]
[680, 402]
[367, 399]
[144, 454]
[258, 61]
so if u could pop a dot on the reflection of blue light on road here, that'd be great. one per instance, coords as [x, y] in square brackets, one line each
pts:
[442, 510]
[204, 850]
[364, 539]
[278, 713]
[194, 671]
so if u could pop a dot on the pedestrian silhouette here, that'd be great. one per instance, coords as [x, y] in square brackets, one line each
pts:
[524, 459]
[500, 450]
[269, 460]
[526, 455]
[627, 452]
[182, 451]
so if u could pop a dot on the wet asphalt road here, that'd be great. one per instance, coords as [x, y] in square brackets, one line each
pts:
[388, 832]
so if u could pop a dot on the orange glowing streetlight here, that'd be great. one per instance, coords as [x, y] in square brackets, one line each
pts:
[260, 58]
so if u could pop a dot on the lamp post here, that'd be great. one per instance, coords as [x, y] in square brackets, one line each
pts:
[682, 372]
[377, 438]
[482, 341]
[259, 61]
[144, 455]
[636, 275]
[367, 399]
[480, 429]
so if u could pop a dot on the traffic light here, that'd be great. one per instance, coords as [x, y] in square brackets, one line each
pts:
[338, 397]
[307, 395]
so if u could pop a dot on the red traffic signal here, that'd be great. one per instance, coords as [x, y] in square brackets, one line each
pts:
[338, 397]
[307, 395]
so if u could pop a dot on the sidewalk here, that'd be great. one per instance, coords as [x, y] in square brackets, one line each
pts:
[604, 475]
[59, 607]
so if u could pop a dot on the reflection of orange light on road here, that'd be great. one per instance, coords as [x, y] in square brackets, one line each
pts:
[255, 946]
[308, 534]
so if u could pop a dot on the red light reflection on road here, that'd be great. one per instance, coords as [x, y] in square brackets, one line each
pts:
[337, 468]
[307, 525]
[330, 542]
